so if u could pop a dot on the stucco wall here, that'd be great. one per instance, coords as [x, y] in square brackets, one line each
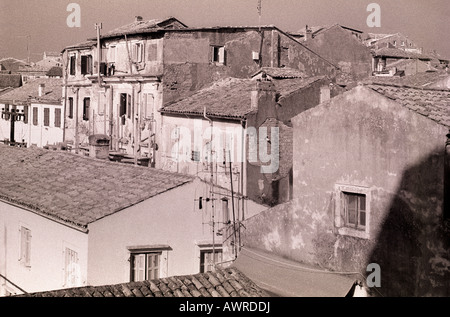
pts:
[48, 242]
[161, 220]
[396, 155]
[344, 50]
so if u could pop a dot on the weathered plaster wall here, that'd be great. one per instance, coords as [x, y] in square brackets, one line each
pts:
[344, 50]
[362, 139]
[187, 67]
[160, 220]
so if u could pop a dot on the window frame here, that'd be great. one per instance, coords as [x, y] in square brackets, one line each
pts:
[86, 64]
[207, 267]
[72, 65]
[58, 118]
[145, 252]
[72, 272]
[218, 57]
[35, 111]
[341, 211]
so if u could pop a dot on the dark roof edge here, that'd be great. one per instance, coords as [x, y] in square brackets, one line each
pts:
[37, 211]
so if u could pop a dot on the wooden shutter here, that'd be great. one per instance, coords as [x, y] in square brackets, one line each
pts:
[58, 118]
[35, 116]
[72, 65]
[46, 117]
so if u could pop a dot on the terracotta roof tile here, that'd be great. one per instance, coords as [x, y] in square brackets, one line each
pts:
[431, 103]
[230, 97]
[233, 283]
[30, 91]
[65, 186]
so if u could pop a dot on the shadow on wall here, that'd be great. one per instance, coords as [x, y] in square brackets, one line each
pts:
[412, 246]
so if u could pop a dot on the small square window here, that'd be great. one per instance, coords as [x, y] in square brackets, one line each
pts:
[218, 55]
[145, 266]
[352, 213]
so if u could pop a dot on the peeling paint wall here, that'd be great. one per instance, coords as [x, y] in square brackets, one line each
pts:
[396, 156]
[344, 50]
[188, 62]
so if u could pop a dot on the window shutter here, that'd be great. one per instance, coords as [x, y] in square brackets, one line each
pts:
[46, 117]
[25, 114]
[129, 106]
[70, 107]
[222, 55]
[83, 65]
[58, 118]
[72, 65]
[35, 116]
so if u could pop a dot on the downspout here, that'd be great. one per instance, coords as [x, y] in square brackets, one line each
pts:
[77, 137]
[212, 182]
[447, 180]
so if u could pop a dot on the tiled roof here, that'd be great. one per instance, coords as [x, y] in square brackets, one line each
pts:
[74, 189]
[420, 80]
[397, 53]
[12, 64]
[82, 45]
[230, 97]
[30, 91]
[280, 73]
[55, 71]
[228, 282]
[139, 27]
[432, 103]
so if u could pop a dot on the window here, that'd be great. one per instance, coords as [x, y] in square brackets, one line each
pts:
[71, 268]
[352, 214]
[86, 106]
[145, 266]
[208, 260]
[70, 111]
[58, 118]
[72, 65]
[149, 103]
[25, 246]
[112, 54]
[46, 117]
[355, 210]
[86, 65]
[25, 116]
[125, 107]
[35, 115]
[138, 52]
[218, 54]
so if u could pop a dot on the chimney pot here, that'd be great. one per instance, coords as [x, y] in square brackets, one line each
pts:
[41, 89]
[138, 18]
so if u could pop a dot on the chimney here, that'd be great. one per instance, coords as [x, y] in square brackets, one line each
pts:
[138, 18]
[41, 89]
[308, 33]
[263, 92]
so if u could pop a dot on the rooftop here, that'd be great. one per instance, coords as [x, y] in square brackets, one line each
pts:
[280, 73]
[431, 103]
[76, 190]
[30, 91]
[230, 97]
[138, 27]
[398, 53]
[228, 282]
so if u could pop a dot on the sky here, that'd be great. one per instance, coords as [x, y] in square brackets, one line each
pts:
[30, 27]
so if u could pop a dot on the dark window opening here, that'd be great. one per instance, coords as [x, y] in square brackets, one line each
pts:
[86, 106]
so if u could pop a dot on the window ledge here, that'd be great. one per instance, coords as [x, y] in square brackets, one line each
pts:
[149, 248]
[345, 231]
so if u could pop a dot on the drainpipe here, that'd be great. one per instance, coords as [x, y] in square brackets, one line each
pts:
[447, 179]
[77, 137]
[212, 182]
